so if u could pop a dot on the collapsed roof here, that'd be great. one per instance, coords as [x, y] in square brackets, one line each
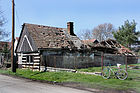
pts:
[112, 46]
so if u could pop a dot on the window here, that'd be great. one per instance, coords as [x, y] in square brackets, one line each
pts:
[29, 59]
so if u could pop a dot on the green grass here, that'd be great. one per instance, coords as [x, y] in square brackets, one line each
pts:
[132, 82]
[91, 69]
[89, 80]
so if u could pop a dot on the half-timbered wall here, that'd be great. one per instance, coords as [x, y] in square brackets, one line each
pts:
[31, 61]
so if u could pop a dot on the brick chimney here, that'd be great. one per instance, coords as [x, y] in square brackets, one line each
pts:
[70, 28]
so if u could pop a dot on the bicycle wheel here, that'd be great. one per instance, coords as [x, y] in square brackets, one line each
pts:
[122, 74]
[106, 73]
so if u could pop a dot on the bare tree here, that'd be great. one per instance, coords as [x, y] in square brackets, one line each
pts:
[103, 31]
[85, 34]
[2, 22]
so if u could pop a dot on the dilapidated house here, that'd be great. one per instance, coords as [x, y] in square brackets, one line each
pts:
[115, 52]
[44, 46]
[39, 45]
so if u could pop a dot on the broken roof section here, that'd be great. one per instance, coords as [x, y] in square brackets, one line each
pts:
[45, 37]
[112, 46]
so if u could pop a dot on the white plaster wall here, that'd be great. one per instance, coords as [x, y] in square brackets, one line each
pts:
[20, 58]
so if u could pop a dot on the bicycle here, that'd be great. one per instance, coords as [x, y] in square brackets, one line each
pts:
[120, 73]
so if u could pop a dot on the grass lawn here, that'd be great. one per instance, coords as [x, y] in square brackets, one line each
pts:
[132, 83]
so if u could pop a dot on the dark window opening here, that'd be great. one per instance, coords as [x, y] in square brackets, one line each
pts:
[29, 59]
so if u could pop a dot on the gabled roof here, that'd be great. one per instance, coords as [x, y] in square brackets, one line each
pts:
[89, 41]
[51, 37]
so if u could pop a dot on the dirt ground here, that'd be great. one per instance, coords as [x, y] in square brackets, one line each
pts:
[85, 87]
[79, 86]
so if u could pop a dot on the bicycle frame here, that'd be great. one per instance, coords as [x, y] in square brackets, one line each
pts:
[111, 70]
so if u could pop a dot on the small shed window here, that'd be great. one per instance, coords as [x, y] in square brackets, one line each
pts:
[29, 59]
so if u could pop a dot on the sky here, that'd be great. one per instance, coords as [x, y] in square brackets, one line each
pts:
[86, 14]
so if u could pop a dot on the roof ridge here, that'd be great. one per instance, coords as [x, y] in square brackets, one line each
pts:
[43, 25]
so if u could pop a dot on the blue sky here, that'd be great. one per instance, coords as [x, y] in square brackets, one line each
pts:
[86, 14]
